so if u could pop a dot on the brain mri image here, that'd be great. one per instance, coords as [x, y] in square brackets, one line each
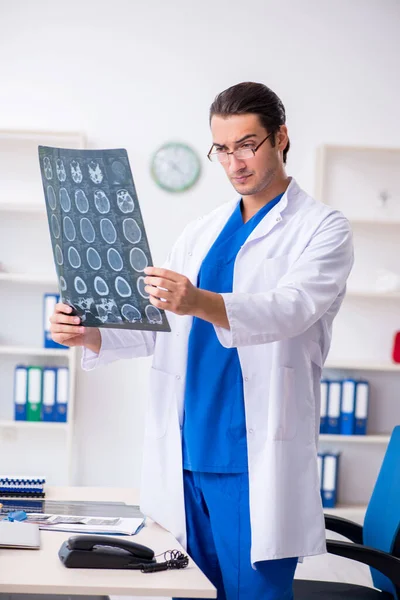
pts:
[98, 238]
[61, 174]
[76, 172]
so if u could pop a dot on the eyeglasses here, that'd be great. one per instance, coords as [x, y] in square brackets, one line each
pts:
[240, 154]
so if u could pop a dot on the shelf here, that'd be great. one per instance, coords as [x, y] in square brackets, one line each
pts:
[30, 278]
[31, 351]
[380, 438]
[32, 424]
[375, 222]
[346, 510]
[372, 295]
[354, 365]
[18, 207]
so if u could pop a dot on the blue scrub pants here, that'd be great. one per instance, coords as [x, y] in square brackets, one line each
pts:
[219, 539]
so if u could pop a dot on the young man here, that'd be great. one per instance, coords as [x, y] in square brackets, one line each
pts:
[230, 450]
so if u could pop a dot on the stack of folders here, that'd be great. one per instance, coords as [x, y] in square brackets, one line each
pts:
[22, 487]
[344, 407]
[49, 304]
[41, 393]
[328, 467]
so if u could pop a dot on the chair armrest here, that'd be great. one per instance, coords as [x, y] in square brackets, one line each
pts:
[349, 529]
[387, 564]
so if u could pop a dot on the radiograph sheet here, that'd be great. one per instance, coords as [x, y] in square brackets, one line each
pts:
[98, 237]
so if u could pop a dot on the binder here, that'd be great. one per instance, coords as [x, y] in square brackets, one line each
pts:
[49, 394]
[21, 487]
[330, 480]
[361, 408]
[324, 406]
[49, 304]
[34, 396]
[334, 407]
[20, 392]
[347, 417]
[62, 392]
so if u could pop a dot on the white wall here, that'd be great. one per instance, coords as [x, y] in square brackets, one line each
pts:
[136, 74]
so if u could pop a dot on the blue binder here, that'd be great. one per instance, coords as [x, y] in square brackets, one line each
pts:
[49, 303]
[347, 417]
[49, 394]
[361, 408]
[330, 480]
[324, 406]
[20, 392]
[334, 407]
[62, 393]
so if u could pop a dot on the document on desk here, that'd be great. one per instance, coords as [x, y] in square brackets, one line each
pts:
[89, 525]
[14, 534]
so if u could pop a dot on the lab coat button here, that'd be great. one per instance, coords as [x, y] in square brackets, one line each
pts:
[278, 219]
[246, 378]
[251, 430]
[178, 377]
[190, 254]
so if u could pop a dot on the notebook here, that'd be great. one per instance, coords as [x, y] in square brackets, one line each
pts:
[16, 534]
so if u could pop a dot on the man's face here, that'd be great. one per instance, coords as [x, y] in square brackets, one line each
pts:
[255, 174]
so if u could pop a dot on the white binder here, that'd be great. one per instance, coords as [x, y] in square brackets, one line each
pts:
[62, 388]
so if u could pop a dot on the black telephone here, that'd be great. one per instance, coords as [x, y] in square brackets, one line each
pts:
[104, 552]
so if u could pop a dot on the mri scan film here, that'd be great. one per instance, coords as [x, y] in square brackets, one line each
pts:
[98, 238]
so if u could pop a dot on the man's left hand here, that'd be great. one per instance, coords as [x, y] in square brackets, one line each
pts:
[178, 294]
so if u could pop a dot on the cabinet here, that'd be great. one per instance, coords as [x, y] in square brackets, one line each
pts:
[364, 183]
[27, 272]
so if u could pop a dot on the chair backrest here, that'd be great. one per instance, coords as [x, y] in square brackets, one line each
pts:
[382, 520]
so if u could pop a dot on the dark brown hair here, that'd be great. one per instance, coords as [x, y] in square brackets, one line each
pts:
[256, 98]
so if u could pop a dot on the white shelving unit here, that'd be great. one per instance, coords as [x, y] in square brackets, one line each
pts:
[26, 351]
[35, 279]
[355, 365]
[364, 184]
[354, 512]
[380, 438]
[26, 273]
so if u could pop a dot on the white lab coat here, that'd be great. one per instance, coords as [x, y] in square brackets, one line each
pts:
[289, 282]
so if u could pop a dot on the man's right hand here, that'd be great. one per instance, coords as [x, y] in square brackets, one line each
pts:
[68, 330]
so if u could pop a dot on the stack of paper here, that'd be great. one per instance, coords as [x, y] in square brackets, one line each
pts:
[79, 524]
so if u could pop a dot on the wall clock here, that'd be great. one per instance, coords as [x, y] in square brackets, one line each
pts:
[175, 167]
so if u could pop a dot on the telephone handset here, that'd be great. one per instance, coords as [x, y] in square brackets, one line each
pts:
[104, 552]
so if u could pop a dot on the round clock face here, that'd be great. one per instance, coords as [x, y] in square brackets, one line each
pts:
[175, 167]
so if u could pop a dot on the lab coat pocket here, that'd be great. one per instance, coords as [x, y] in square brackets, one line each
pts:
[274, 269]
[162, 397]
[282, 411]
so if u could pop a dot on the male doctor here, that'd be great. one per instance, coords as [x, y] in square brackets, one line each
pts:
[251, 290]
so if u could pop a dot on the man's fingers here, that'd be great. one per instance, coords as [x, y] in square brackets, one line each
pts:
[70, 329]
[63, 308]
[62, 318]
[164, 273]
[161, 282]
[63, 338]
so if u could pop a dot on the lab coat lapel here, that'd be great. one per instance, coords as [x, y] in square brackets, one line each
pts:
[273, 217]
[198, 248]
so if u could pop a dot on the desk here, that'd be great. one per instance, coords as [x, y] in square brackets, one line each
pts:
[41, 571]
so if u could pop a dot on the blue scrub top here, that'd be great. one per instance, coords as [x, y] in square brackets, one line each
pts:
[214, 426]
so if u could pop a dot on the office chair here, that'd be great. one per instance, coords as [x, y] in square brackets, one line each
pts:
[376, 543]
